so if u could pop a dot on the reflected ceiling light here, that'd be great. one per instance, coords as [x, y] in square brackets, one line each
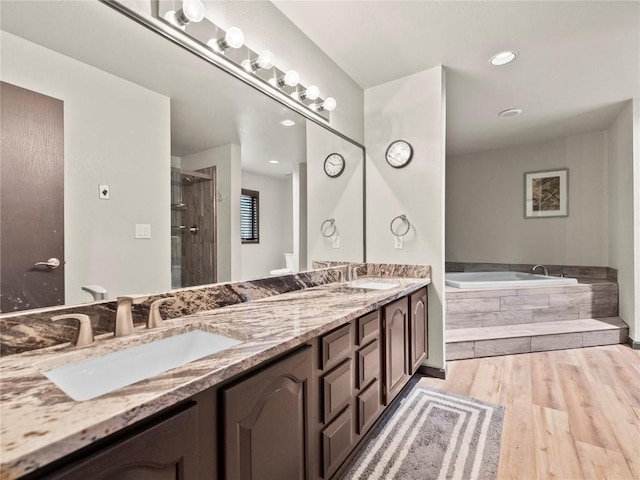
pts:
[274, 161]
[191, 11]
[511, 112]
[287, 123]
[503, 58]
[290, 79]
[312, 93]
[263, 61]
[329, 105]
[234, 38]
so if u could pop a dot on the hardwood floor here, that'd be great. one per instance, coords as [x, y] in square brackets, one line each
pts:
[569, 414]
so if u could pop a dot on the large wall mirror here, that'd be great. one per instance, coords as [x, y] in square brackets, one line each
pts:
[127, 158]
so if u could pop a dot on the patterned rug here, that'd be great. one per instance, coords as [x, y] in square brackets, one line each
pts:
[433, 435]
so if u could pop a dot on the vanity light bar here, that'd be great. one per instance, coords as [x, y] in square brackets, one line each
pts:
[193, 11]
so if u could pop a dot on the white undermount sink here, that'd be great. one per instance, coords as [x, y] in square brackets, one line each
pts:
[96, 376]
[369, 285]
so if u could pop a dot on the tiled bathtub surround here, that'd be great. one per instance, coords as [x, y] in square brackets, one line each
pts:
[519, 320]
[571, 271]
[34, 330]
[505, 306]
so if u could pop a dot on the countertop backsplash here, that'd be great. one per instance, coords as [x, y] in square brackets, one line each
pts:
[33, 330]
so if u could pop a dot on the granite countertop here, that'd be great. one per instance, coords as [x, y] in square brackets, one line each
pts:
[39, 423]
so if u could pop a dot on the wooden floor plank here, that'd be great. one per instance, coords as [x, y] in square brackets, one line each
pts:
[603, 421]
[588, 423]
[602, 464]
[555, 449]
[547, 391]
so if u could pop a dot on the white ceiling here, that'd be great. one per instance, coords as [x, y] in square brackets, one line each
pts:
[578, 60]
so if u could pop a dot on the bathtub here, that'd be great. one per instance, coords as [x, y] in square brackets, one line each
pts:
[467, 280]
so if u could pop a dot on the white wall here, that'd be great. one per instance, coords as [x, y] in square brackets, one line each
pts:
[299, 180]
[411, 108]
[275, 223]
[226, 159]
[485, 204]
[340, 198]
[266, 27]
[115, 133]
[623, 251]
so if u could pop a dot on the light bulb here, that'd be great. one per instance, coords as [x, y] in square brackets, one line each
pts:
[291, 78]
[265, 60]
[312, 92]
[193, 10]
[234, 37]
[329, 104]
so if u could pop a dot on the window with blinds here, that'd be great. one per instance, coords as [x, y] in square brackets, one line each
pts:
[249, 216]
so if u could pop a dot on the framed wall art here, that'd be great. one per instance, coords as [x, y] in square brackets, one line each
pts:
[546, 194]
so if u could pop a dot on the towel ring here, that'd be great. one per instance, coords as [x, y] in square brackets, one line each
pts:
[329, 224]
[407, 223]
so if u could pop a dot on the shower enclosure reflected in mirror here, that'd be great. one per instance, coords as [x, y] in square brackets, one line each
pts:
[134, 106]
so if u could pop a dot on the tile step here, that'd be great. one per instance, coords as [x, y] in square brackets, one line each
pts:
[534, 337]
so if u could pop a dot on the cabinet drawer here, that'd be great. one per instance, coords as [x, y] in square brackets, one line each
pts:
[368, 405]
[335, 346]
[368, 327]
[336, 443]
[368, 361]
[336, 390]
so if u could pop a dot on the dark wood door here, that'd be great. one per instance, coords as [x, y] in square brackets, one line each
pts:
[266, 422]
[166, 451]
[396, 329]
[418, 329]
[31, 199]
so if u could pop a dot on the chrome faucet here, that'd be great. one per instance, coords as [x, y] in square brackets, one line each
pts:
[84, 334]
[124, 318]
[544, 269]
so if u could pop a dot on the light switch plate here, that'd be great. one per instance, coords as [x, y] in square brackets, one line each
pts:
[336, 242]
[104, 192]
[143, 230]
[399, 243]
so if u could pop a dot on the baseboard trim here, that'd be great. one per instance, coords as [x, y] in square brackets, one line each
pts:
[635, 345]
[432, 372]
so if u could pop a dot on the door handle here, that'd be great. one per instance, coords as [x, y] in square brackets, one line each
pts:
[51, 264]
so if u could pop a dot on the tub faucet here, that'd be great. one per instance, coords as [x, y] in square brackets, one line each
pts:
[544, 269]
[124, 318]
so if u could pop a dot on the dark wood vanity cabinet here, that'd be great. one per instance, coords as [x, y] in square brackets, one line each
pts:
[396, 338]
[406, 340]
[349, 389]
[298, 417]
[165, 450]
[418, 330]
[265, 422]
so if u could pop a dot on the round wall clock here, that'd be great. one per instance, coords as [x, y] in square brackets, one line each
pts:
[399, 153]
[334, 165]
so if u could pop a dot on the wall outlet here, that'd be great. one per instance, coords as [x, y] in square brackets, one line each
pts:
[143, 230]
[104, 192]
[398, 243]
[336, 242]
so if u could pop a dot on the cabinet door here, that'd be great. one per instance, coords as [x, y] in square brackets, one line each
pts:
[265, 433]
[167, 450]
[418, 329]
[396, 347]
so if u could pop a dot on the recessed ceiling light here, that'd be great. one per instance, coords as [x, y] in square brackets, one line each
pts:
[503, 58]
[274, 161]
[512, 112]
[287, 123]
